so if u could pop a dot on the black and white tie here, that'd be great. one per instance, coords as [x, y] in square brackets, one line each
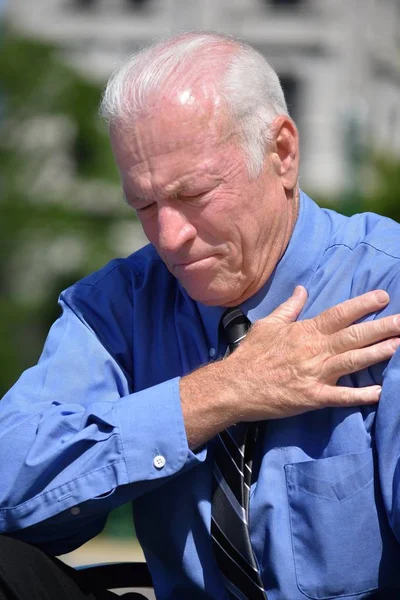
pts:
[231, 491]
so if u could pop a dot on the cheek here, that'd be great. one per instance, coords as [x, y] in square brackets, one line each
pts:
[150, 229]
[227, 227]
[222, 213]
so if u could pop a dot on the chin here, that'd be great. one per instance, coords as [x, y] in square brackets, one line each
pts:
[210, 295]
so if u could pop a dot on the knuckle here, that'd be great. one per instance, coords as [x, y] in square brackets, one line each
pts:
[350, 361]
[337, 317]
[348, 338]
[337, 314]
[354, 335]
[346, 397]
[383, 326]
[286, 309]
[319, 396]
[309, 326]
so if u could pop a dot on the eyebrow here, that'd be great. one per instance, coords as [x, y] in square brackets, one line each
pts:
[181, 186]
[172, 189]
[132, 203]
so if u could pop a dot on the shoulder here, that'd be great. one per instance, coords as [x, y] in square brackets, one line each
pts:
[105, 301]
[121, 279]
[368, 232]
[363, 254]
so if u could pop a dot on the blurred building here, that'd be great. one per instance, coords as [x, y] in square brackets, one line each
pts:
[339, 62]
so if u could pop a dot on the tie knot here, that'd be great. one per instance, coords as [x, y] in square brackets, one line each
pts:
[235, 325]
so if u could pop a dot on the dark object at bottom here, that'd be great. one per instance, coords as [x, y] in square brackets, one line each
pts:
[27, 573]
[116, 576]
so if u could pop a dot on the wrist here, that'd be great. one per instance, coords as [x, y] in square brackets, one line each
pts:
[209, 402]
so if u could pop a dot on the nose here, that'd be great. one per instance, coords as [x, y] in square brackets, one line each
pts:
[174, 229]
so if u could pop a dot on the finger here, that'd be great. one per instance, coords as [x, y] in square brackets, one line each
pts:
[346, 396]
[290, 310]
[344, 314]
[355, 360]
[365, 334]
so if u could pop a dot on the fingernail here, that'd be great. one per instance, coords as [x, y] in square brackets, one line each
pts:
[381, 297]
[297, 290]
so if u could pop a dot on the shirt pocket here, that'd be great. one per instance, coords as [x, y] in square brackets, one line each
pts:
[335, 527]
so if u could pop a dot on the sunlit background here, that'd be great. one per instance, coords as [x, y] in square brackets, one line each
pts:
[62, 215]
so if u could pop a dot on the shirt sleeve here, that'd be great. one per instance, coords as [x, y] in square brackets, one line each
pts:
[72, 434]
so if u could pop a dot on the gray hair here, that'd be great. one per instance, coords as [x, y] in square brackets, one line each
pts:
[248, 85]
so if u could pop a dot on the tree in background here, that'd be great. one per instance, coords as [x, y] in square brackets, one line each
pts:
[62, 214]
[384, 196]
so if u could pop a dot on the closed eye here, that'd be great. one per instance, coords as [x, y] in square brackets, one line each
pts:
[145, 209]
[194, 196]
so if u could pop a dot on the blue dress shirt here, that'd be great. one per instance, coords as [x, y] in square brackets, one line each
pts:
[98, 423]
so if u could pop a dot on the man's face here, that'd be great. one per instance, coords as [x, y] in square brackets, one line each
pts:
[219, 232]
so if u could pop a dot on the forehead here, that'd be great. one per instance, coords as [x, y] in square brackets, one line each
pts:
[171, 140]
[195, 118]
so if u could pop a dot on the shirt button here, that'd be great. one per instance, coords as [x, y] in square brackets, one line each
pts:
[211, 352]
[159, 462]
[75, 510]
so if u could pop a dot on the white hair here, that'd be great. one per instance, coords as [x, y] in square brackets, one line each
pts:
[248, 85]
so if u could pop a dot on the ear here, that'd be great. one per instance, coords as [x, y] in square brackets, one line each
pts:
[285, 151]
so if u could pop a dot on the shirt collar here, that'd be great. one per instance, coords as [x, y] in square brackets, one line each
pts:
[297, 266]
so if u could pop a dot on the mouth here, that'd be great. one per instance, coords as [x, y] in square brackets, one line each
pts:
[193, 264]
[190, 262]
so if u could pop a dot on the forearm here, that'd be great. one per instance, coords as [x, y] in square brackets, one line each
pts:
[209, 402]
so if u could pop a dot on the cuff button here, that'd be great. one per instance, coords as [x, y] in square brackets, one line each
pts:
[159, 462]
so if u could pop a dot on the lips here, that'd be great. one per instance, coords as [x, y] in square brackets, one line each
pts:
[192, 262]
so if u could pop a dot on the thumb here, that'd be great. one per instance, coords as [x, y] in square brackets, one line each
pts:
[290, 310]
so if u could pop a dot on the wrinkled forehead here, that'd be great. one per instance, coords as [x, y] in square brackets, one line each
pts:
[190, 118]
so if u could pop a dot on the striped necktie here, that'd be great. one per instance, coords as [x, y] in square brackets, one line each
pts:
[231, 492]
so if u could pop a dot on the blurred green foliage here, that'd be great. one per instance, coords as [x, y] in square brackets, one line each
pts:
[381, 194]
[386, 198]
[53, 149]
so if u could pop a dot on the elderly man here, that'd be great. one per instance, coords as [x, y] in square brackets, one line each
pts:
[252, 474]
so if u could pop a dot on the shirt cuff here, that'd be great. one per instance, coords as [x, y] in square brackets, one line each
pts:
[153, 433]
